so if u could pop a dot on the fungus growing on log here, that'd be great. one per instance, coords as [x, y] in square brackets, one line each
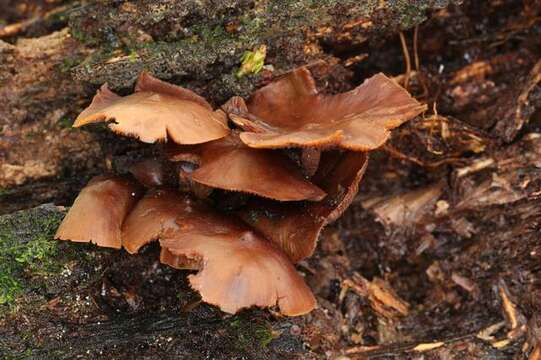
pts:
[244, 257]
[295, 228]
[290, 112]
[155, 111]
[97, 214]
[238, 268]
[230, 165]
[155, 213]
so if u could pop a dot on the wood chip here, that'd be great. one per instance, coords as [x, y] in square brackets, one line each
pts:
[381, 296]
[486, 333]
[476, 166]
[428, 346]
[501, 343]
[362, 349]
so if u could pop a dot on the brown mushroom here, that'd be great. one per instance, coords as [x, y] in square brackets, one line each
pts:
[149, 172]
[238, 268]
[230, 165]
[155, 213]
[180, 262]
[155, 111]
[295, 228]
[289, 112]
[98, 212]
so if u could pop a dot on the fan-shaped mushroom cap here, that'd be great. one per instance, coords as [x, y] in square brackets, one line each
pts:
[295, 228]
[289, 112]
[239, 269]
[98, 212]
[154, 214]
[156, 110]
[230, 165]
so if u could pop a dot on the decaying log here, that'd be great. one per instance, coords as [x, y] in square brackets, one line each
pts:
[439, 255]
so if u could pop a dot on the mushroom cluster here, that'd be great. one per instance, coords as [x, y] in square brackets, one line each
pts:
[290, 157]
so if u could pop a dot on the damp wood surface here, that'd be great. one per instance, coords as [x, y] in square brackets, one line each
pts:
[438, 257]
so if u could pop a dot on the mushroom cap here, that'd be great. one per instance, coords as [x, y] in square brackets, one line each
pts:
[238, 268]
[149, 172]
[230, 165]
[154, 214]
[289, 112]
[295, 228]
[180, 262]
[155, 111]
[98, 212]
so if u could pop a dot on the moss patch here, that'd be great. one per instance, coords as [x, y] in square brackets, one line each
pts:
[26, 249]
[251, 334]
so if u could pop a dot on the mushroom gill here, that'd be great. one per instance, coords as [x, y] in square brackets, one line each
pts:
[155, 111]
[230, 165]
[289, 112]
[296, 227]
[237, 267]
[98, 212]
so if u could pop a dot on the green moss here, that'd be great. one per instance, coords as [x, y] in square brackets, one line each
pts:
[26, 354]
[409, 15]
[133, 56]
[65, 122]
[78, 34]
[69, 63]
[211, 33]
[26, 250]
[250, 333]
[252, 61]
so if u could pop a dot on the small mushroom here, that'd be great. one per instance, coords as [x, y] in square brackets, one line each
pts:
[290, 112]
[98, 212]
[155, 213]
[230, 165]
[237, 267]
[155, 111]
[296, 227]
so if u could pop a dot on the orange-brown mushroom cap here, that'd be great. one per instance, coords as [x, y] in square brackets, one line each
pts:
[295, 228]
[155, 213]
[99, 211]
[230, 165]
[289, 112]
[180, 262]
[238, 268]
[149, 172]
[155, 111]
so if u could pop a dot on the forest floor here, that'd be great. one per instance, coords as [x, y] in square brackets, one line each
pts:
[438, 257]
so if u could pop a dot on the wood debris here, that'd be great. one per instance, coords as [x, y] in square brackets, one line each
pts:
[381, 296]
